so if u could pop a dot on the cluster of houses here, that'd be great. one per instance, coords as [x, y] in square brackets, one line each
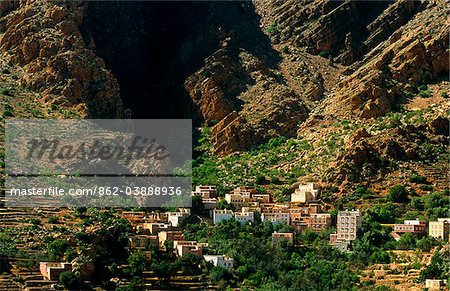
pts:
[304, 211]
[162, 230]
[439, 229]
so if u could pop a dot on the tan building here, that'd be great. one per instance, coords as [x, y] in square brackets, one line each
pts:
[276, 217]
[280, 236]
[440, 229]
[157, 217]
[143, 241]
[133, 217]
[170, 235]
[52, 270]
[319, 221]
[306, 193]
[245, 216]
[433, 284]
[183, 248]
[153, 227]
[205, 191]
[261, 198]
[241, 195]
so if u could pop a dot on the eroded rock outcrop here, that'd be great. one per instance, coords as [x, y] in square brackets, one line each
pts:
[44, 38]
[413, 55]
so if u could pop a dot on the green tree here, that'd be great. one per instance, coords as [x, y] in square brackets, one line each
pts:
[57, 248]
[70, 280]
[407, 242]
[138, 263]
[398, 193]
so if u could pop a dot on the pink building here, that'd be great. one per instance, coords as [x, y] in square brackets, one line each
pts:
[348, 223]
[412, 226]
[52, 270]
[183, 248]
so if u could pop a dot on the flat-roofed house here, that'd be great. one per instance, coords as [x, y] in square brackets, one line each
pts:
[412, 226]
[348, 224]
[319, 221]
[169, 235]
[153, 227]
[133, 216]
[205, 191]
[219, 261]
[52, 270]
[220, 215]
[245, 216]
[143, 241]
[306, 193]
[440, 229]
[209, 203]
[261, 198]
[183, 248]
[157, 217]
[177, 218]
[276, 217]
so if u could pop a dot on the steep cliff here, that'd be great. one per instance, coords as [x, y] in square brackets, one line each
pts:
[44, 39]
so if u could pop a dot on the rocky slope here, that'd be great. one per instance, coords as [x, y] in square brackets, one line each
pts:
[44, 39]
[388, 50]
[250, 70]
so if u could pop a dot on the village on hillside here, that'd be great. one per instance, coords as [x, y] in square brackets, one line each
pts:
[304, 213]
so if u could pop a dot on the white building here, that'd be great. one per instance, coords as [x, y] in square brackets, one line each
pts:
[306, 193]
[245, 216]
[221, 215]
[276, 217]
[176, 218]
[219, 261]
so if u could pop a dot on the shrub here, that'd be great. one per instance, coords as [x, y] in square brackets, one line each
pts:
[272, 27]
[35, 221]
[53, 220]
[138, 263]
[6, 92]
[57, 248]
[418, 179]
[53, 106]
[426, 187]
[260, 179]
[323, 54]
[423, 87]
[70, 280]
[425, 94]
[398, 193]
[7, 113]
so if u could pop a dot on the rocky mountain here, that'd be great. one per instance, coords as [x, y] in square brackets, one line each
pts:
[250, 70]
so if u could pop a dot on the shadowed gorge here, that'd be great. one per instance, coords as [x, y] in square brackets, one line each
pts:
[153, 47]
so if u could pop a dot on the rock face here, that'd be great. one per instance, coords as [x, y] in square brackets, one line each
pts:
[414, 54]
[254, 70]
[44, 38]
